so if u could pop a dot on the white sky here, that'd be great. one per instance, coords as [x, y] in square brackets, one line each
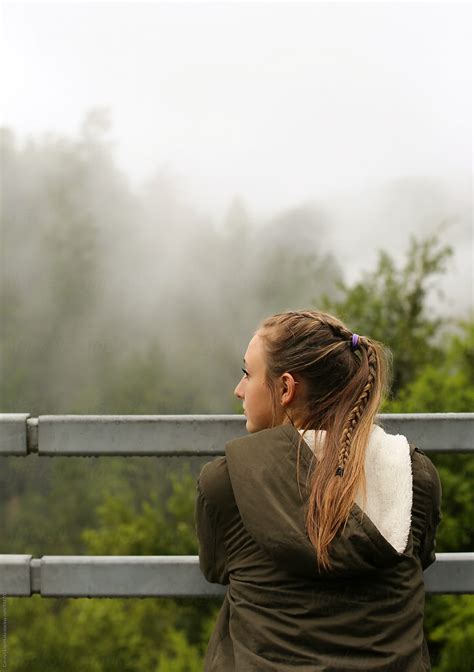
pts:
[277, 102]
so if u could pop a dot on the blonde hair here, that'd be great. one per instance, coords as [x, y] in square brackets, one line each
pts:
[343, 390]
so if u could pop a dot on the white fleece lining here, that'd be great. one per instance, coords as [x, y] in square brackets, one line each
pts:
[389, 483]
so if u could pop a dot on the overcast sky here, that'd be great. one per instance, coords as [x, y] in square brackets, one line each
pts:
[277, 102]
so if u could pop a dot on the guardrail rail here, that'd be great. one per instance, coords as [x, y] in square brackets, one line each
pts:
[180, 435]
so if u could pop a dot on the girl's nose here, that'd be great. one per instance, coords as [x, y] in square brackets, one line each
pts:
[237, 391]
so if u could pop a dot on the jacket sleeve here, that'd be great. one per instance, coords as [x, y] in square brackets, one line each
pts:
[209, 530]
[426, 511]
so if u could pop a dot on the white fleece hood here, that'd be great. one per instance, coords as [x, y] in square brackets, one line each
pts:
[389, 483]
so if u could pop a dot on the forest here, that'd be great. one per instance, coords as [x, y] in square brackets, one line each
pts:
[115, 301]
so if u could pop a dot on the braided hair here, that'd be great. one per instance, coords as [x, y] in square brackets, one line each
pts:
[359, 407]
[344, 378]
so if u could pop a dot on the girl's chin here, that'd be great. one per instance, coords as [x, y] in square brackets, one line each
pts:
[250, 427]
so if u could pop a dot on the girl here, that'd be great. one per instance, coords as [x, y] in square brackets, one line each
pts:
[319, 522]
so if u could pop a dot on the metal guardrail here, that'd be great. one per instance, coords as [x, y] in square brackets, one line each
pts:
[164, 576]
[87, 435]
[180, 576]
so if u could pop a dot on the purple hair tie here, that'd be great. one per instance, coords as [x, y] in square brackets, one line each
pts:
[354, 342]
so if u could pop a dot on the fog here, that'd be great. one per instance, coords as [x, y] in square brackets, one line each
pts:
[173, 173]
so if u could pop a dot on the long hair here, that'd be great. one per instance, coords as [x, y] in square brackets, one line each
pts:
[343, 389]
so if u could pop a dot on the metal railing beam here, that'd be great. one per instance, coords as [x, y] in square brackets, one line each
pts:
[186, 435]
[165, 576]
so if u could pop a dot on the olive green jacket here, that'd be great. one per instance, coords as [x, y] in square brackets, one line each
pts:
[280, 613]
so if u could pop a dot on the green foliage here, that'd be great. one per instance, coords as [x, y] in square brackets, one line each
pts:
[456, 533]
[138, 383]
[49, 501]
[389, 305]
[450, 623]
[179, 656]
[444, 386]
[106, 635]
[131, 635]
[156, 525]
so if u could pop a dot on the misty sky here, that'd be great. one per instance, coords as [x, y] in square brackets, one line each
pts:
[279, 103]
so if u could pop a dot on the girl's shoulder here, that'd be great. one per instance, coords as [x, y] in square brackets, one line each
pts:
[426, 509]
[425, 475]
[214, 482]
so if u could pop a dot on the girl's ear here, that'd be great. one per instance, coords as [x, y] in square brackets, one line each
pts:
[287, 388]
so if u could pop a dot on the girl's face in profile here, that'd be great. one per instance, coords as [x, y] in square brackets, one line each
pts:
[253, 390]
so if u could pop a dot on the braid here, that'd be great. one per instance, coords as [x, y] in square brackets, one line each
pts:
[358, 409]
[344, 334]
